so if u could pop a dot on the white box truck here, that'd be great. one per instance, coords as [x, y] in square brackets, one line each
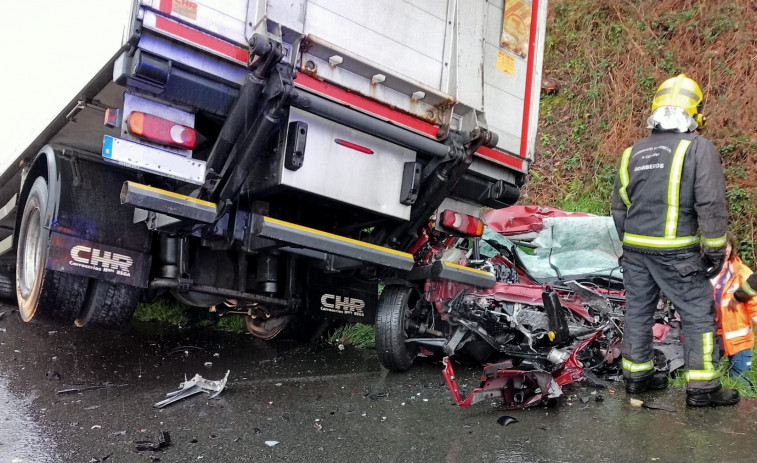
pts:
[278, 158]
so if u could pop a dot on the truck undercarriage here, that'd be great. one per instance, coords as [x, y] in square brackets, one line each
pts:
[251, 166]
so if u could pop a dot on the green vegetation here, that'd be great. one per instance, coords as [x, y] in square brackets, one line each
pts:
[234, 323]
[680, 382]
[168, 310]
[608, 58]
[164, 310]
[356, 334]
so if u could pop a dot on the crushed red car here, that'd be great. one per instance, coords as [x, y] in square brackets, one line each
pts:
[552, 316]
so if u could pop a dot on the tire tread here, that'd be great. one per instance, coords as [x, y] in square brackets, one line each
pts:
[390, 335]
[109, 305]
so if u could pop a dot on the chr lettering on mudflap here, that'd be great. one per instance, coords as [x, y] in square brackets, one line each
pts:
[342, 304]
[101, 261]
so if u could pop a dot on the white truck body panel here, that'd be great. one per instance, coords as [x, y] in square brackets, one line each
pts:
[429, 53]
[47, 76]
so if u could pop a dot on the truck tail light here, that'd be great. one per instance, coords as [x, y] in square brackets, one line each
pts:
[161, 130]
[463, 223]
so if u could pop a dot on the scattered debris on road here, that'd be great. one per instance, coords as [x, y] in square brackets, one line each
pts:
[504, 420]
[651, 405]
[86, 388]
[164, 440]
[194, 386]
[272, 443]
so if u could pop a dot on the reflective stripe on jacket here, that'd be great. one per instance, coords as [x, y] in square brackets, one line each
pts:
[735, 326]
[670, 187]
[748, 289]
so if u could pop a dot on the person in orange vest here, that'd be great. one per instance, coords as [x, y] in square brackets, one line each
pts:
[735, 320]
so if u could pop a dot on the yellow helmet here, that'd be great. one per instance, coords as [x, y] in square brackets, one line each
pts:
[682, 92]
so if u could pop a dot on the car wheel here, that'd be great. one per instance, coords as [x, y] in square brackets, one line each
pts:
[43, 294]
[394, 325]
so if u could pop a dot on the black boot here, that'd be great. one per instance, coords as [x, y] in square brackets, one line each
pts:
[655, 382]
[719, 397]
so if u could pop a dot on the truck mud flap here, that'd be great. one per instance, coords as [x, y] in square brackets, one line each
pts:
[70, 254]
[453, 272]
[342, 298]
[310, 238]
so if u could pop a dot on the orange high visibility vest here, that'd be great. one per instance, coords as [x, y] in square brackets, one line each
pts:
[735, 326]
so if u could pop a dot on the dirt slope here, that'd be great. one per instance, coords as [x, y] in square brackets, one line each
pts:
[607, 57]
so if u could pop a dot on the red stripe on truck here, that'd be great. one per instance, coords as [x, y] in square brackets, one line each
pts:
[166, 6]
[365, 104]
[529, 78]
[204, 40]
[500, 157]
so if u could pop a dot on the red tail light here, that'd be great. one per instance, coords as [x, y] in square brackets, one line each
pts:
[463, 223]
[161, 130]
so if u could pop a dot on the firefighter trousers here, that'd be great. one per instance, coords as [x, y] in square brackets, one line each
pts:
[681, 278]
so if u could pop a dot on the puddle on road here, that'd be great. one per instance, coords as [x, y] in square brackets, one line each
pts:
[21, 440]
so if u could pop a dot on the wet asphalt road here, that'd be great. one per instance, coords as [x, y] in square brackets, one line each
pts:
[318, 403]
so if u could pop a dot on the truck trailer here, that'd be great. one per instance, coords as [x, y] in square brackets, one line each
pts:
[275, 158]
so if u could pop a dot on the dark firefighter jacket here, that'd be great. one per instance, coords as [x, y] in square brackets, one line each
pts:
[669, 185]
[748, 289]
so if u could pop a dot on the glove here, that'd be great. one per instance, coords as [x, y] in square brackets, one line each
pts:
[712, 260]
[733, 304]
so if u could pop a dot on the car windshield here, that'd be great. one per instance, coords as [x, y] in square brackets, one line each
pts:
[567, 247]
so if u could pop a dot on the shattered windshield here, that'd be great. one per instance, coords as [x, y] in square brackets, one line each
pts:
[565, 247]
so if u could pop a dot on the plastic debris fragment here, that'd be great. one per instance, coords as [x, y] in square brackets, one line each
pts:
[194, 386]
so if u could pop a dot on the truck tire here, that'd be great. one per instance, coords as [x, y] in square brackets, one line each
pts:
[266, 328]
[7, 290]
[43, 294]
[109, 305]
[392, 327]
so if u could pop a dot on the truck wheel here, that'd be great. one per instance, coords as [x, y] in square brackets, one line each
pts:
[394, 325]
[7, 291]
[109, 305]
[266, 328]
[43, 294]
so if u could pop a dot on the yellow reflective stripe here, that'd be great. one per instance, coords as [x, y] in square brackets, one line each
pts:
[701, 375]
[738, 333]
[674, 188]
[748, 289]
[624, 178]
[708, 345]
[340, 238]
[656, 242]
[171, 194]
[637, 367]
[709, 372]
[714, 242]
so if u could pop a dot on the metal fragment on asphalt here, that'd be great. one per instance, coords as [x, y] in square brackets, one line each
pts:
[194, 386]
[504, 420]
[272, 443]
[164, 440]
[658, 406]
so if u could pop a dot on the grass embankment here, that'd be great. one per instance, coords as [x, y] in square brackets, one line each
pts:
[745, 390]
[608, 58]
[170, 311]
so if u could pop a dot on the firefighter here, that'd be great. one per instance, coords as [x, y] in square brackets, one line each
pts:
[735, 325]
[670, 189]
